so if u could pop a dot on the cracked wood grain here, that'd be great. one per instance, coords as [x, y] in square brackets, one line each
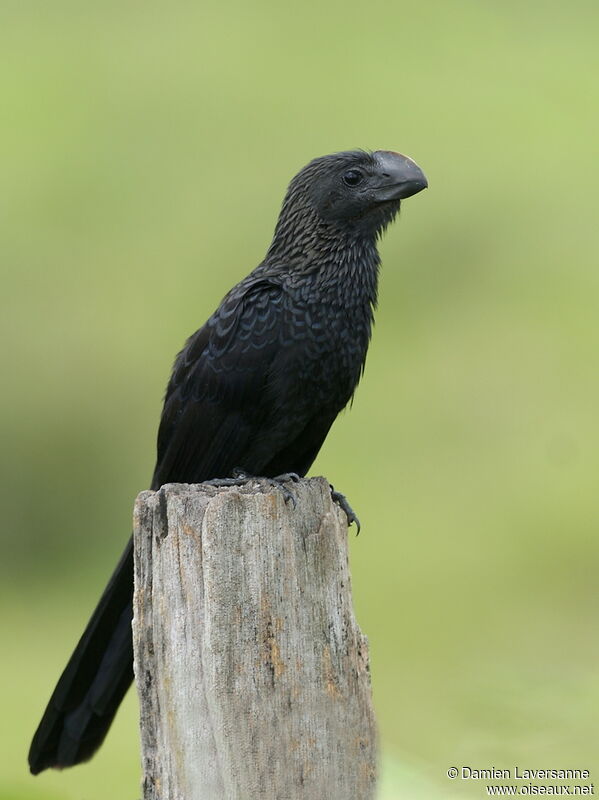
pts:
[251, 670]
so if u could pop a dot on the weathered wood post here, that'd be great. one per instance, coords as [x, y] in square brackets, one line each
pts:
[251, 670]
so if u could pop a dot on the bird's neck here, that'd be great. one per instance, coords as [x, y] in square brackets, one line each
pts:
[338, 263]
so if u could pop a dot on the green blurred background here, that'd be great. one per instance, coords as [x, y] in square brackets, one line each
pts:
[145, 150]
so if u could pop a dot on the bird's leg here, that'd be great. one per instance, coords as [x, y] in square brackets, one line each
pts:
[240, 476]
[344, 505]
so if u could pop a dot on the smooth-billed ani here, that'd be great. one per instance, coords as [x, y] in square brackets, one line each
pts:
[256, 388]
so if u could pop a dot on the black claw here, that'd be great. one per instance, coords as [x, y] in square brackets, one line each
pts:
[344, 505]
[279, 481]
[288, 496]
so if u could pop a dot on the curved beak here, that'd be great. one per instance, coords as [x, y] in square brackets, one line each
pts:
[397, 176]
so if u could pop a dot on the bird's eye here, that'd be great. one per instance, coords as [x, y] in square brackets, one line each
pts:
[352, 177]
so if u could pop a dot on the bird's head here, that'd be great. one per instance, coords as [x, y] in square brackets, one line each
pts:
[341, 199]
[356, 190]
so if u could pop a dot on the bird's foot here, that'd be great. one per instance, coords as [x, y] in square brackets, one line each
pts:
[239, 477]
[344, 505]
[287, 477]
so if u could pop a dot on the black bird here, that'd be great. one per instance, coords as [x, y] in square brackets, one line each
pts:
[255, 389]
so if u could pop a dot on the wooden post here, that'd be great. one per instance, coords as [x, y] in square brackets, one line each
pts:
[251, 670]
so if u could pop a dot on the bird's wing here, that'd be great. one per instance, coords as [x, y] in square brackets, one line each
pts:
[215, 398]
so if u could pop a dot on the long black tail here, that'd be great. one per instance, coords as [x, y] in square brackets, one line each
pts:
[94, 681]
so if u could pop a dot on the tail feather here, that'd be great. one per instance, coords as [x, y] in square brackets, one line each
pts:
[94, 681]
